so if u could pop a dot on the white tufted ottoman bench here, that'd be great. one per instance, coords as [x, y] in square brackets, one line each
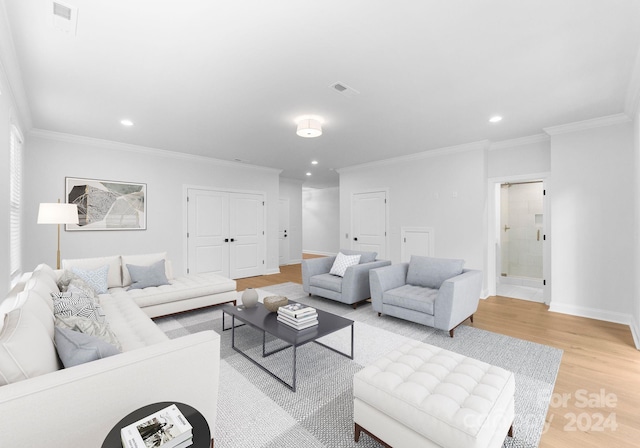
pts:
[424, 396]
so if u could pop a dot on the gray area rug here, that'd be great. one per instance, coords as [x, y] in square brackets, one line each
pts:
[255, 410]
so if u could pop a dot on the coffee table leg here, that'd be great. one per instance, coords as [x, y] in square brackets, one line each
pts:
[293, 387]
[233, 332]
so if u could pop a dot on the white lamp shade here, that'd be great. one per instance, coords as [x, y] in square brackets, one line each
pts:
[56, 213]
[309, 128]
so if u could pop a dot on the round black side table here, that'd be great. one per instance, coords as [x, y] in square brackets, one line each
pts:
[201, 433]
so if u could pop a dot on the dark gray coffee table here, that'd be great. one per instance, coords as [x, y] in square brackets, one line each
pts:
[260, 318]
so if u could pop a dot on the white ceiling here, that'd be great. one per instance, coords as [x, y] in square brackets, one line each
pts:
[227, 79]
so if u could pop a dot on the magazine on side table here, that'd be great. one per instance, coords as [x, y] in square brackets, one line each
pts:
[167, 428]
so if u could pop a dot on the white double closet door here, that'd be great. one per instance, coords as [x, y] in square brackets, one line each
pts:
[225, 233]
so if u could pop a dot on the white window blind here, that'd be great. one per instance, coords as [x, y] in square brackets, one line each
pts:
[15, 204]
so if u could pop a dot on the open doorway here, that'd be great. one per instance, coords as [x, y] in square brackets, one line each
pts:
[521, 257]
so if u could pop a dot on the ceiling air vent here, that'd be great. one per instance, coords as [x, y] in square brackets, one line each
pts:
[65, 17]
[344, 89]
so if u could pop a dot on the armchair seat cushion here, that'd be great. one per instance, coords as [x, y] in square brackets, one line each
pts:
[327, 281]
[412, 297]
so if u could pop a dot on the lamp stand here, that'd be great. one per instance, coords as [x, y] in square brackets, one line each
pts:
[58, 252]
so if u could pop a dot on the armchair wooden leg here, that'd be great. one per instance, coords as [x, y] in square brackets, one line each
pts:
[355, 305]
[471, 318]
[510, 433]
[356, 432]
[379, 314]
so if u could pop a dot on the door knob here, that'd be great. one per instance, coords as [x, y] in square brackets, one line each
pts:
[226, 240]
[506, 227]
[232, 240]
[355, 239]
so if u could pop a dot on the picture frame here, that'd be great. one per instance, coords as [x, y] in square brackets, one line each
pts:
[107, 204]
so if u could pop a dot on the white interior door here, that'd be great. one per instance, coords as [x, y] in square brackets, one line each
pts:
[283, 227]
[208, 226]
[369, 215]
[416, 241]
[246, 230]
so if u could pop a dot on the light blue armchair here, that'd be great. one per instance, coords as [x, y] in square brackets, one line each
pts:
[436, 292]
[351, 289]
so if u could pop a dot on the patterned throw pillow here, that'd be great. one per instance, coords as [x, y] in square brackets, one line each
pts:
[79, 287]
[65, 279]
[342, 262]
[67, 304]
[90, 327]
[96, 278]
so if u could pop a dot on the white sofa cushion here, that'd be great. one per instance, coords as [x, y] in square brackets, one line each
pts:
[130, 324]
[143, 260]
[114, 278]
[26, 350]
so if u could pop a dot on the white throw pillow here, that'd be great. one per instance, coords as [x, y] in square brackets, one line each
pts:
[95, 278]
[342, 262]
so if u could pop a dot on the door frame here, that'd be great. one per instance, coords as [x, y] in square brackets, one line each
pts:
[185, 220]
[386, 217]
[287, 257]
[493, 228]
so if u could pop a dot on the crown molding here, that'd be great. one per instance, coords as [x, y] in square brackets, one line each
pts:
[521, 141]
[117, 146]
[609, 120]
[473, 146]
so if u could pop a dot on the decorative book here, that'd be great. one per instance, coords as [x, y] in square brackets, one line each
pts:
[297, 310]
[167, 428]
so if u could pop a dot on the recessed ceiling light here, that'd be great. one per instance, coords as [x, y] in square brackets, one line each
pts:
[495, 119]
[314, 162]
[308, 174]
[126, 122]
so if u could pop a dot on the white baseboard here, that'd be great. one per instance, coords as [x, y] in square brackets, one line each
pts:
[591, 313]
[635, 331]
[296, 261]
[272, 271]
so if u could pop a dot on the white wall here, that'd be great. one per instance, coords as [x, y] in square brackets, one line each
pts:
[519, 157]
[321, 221]
[10, 114]
[51, 157]
[292, 190]
[592, 226]
[442, 190]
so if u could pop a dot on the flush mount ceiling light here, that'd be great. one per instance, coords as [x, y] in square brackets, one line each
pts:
[309, 128]
[495, 119]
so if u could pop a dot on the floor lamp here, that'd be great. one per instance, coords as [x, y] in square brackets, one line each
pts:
[57, 213]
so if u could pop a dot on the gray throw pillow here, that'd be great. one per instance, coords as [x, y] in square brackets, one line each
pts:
[432, 272]
[147, 276]
[365, 257]
[76, 348]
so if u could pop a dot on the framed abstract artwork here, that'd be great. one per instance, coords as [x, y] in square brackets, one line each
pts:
[107, 205]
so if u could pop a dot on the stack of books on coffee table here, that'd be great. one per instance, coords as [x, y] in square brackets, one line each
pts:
[298, 316]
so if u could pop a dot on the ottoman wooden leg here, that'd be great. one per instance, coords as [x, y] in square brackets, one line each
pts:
[356, 432]
[510, 433]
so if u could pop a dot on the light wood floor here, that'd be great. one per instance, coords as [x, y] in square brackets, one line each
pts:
[599, 360]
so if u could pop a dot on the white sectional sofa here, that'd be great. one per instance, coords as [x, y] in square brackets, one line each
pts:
[43, 404]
